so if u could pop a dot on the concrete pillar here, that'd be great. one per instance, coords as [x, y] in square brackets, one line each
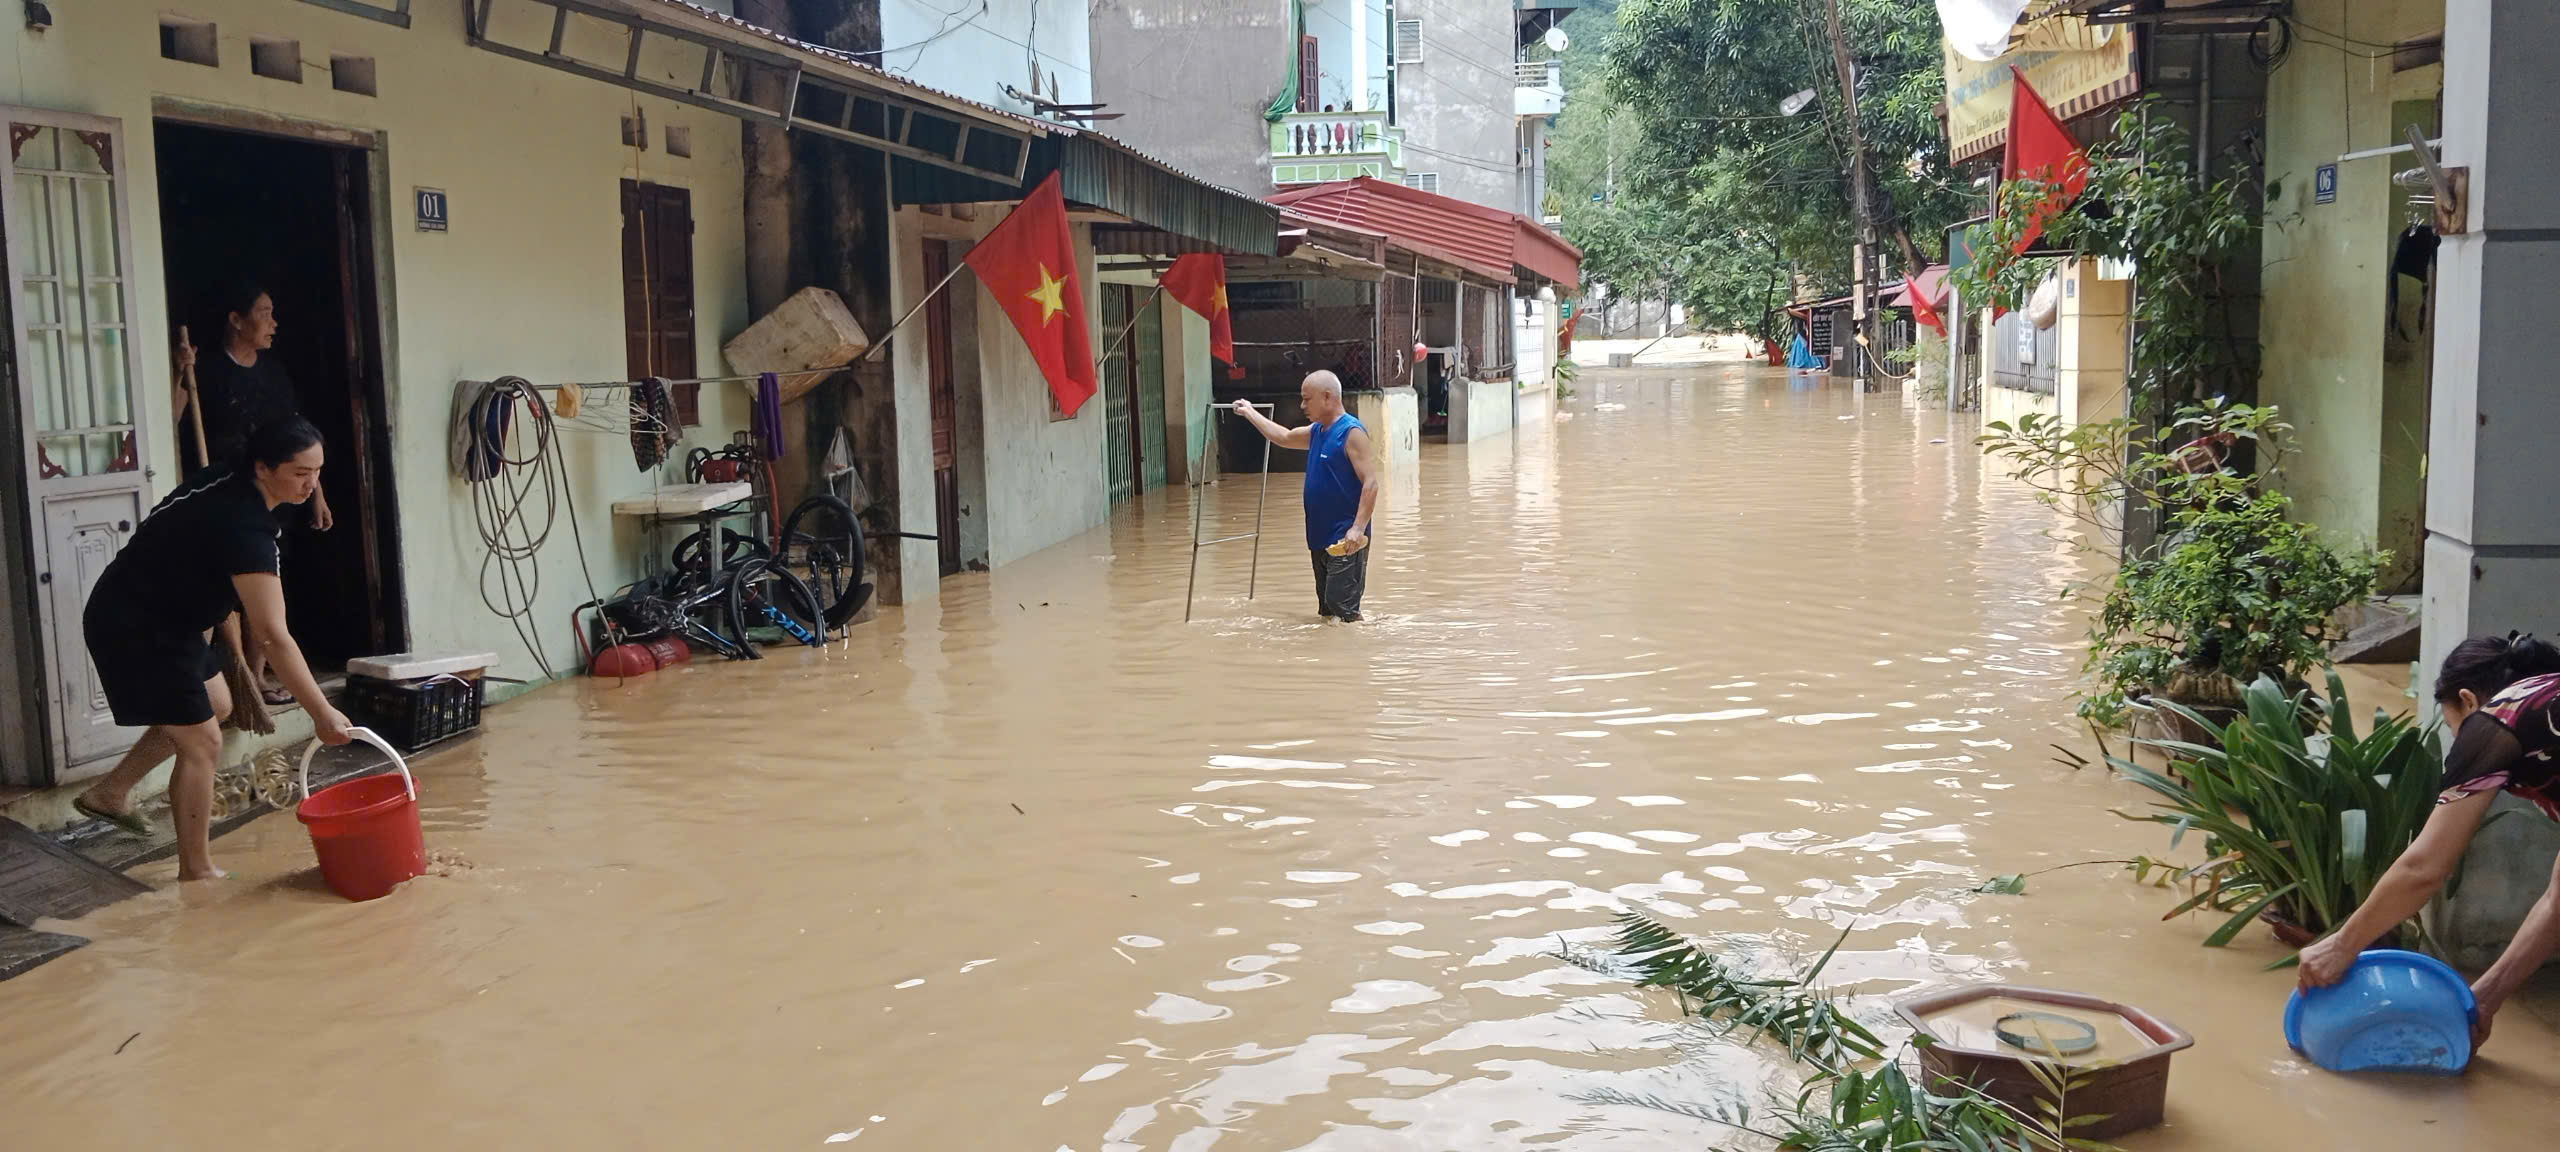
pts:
[2493, 530]
[918, 576]
[1189, 373]
[2088, 374]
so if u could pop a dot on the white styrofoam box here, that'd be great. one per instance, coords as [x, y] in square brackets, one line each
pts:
[416, 665]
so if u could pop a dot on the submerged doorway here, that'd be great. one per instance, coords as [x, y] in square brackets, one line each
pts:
[1133, 390]
[295, 218]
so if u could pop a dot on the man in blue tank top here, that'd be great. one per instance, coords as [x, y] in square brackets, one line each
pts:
[1341, 492]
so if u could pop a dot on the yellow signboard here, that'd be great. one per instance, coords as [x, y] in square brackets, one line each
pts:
[2076, 66]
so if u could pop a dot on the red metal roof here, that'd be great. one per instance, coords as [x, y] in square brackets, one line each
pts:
[1488, 242]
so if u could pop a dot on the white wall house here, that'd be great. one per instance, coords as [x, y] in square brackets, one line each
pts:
[524, 275]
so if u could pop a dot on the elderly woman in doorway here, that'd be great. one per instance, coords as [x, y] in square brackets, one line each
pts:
[244, 388]
[209, 548]
[2501, 698]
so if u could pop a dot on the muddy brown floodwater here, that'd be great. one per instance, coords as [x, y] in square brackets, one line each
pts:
[1044, 868]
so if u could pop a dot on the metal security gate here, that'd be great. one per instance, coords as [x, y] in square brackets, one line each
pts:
[1117, 446]
[1395, 331]
[1148, 343]
[70, 290]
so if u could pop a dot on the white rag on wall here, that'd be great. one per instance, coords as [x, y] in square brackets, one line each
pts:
[1979, 29]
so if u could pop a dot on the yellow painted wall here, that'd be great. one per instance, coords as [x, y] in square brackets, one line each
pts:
[2326, 274]
[527, 282]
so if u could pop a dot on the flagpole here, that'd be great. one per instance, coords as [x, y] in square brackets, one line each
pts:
[918, 306]
[1134, 316]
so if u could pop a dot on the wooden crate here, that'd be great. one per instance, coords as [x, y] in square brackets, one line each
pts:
[806, 340]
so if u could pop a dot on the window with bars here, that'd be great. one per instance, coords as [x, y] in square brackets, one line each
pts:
[1408, 41]
[1426, 181]
[71, 298]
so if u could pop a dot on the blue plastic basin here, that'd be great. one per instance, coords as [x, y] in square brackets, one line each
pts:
[2395, 1010]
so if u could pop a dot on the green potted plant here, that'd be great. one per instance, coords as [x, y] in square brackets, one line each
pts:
[2232, 590]
[2299, 823]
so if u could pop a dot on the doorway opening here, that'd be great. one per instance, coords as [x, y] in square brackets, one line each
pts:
[295, 218]
[959, 416]
[1133, 390]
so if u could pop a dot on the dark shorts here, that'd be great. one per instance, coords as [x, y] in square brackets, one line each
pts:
[1339, 582]
[151, 675]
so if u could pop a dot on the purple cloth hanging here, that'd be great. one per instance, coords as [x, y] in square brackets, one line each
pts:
[768, 422]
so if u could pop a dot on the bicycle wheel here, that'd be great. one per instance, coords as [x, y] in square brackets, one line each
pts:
[822, 544]
[735, 548]
[769, 604]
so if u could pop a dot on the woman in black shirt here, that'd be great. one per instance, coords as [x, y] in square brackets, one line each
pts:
[209, 548]
[244, 387]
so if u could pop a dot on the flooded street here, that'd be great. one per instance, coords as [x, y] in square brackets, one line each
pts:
[1042, 867]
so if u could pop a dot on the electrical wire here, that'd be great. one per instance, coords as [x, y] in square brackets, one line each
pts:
[519, 483]
[947, 28]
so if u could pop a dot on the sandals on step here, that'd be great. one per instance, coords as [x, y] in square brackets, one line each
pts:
[128, 820]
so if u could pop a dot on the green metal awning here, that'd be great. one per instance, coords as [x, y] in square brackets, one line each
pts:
[1097, 171]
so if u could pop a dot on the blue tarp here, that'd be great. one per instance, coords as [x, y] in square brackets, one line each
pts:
[1798, 356]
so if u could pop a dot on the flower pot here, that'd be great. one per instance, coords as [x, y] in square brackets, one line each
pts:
[2152, 723]
[2288, 933]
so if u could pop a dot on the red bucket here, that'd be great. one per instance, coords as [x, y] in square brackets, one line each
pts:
[365, 830]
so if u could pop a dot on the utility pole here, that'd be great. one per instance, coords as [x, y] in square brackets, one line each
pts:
[1861, 295]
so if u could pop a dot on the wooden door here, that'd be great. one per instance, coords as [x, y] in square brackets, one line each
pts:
[657, 289]
[385, 626]
[946, 408]
[1119, 447]
[70, 284]
[1310, 75]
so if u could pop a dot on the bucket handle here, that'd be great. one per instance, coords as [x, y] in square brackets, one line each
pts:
[367, 735]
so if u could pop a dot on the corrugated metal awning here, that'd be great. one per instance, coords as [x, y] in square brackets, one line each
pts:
[1489, 243]
[1097, 171]
[692, 55]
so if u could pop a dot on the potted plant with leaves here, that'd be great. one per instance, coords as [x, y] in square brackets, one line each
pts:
[2298, 823]
[2215, 585]
[2231, 590]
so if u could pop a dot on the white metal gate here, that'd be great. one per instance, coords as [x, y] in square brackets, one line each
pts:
[72, 302]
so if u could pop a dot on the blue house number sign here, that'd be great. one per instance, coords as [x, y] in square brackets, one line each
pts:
[433, 210]
[2324, 185]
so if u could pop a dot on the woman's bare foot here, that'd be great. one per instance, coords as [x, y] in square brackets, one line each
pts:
[189, 875]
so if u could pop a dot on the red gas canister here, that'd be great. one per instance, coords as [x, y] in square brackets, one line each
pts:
[624, 660]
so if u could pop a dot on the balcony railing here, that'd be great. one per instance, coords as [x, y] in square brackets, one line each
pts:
[1317, 147]
[1538, 87]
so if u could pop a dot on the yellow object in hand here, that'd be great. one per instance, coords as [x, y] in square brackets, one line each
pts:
[1345, 546]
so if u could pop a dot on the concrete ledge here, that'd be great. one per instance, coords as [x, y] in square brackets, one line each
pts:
[1534, 405]
[1478, 409]
[2502, 876]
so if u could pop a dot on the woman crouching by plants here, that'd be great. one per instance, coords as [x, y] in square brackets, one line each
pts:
[2501, 699]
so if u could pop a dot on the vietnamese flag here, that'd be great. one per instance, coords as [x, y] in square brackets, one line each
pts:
[1922, 309]
[1199, 282]
[2041, 149]
[1029, 265]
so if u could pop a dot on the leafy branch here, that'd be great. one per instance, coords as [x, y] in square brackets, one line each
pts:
[1856, 1098]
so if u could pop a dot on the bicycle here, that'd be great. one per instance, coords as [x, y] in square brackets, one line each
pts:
[821, 544]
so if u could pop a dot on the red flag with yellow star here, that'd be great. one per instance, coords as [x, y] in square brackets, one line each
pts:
[1199, 282]
[1029, 265]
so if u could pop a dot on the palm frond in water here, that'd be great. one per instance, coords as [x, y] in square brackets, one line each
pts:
[1812, 1027]
[1590, 959]
[1731, 1116]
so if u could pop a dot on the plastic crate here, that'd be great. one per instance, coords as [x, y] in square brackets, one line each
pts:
[412, 714]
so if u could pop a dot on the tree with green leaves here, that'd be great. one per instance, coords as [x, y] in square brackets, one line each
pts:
[1735, 204]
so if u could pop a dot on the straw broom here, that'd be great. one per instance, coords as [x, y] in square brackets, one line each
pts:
[248, 705]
